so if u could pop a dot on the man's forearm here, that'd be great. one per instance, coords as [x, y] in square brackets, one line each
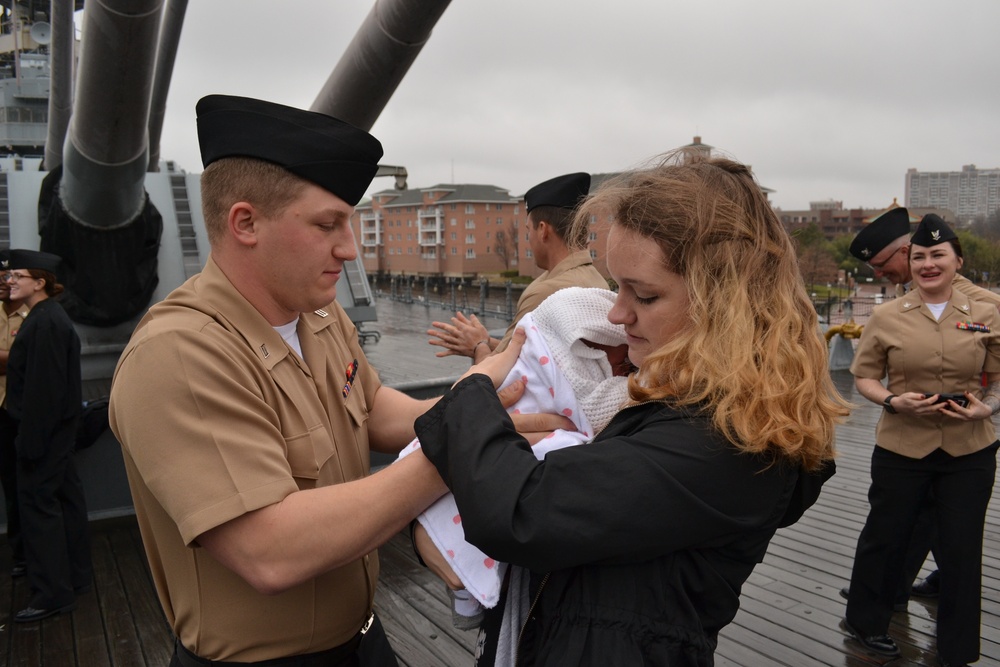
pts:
[314, 531]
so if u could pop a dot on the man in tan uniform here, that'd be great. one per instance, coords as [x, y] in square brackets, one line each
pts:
[550, 206]
[246, 408]
[12, 314]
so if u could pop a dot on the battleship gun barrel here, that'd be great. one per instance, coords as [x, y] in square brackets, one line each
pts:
[377, 58]
[61, 91]
[106, 154]
[93, 210]
[170, 36]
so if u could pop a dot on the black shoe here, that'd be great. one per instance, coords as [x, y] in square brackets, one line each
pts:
[83, 590]
[845, 593]
[30, 614]
[925, 588]
[944, 663]
[881, 644]
[19, 570]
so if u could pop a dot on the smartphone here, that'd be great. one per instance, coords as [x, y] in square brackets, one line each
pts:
[960, 399]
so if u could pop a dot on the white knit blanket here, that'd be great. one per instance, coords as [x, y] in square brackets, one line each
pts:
[564, 376]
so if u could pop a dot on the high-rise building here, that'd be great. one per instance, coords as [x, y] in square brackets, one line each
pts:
[969, 193]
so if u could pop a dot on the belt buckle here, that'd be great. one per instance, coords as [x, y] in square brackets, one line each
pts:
[368, 624]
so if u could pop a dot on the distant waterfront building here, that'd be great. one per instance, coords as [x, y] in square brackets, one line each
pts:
[834, 220]
[830, 216]
[448, 230]
[968, 193]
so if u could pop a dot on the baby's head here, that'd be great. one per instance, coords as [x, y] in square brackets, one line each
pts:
[617, 356]
[591, 352]
[577, 318]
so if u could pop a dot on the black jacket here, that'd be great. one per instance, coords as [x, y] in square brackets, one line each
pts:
[643, 538]
[43, 378]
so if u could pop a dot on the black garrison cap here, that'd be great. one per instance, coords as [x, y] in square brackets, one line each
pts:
[880, 232]
[562, 192]
[34, 259]
[334, 155]
[931, 231]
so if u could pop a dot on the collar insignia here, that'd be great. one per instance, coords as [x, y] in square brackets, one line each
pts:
[263, 350]
[321, 312]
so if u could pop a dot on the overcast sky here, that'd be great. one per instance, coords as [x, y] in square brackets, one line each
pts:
[826, 100]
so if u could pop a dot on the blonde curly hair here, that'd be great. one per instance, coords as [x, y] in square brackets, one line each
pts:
[752, 356]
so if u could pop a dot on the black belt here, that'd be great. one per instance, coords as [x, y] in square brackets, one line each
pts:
[334, 657]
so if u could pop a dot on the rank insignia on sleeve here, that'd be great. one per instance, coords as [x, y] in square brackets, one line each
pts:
[973, 326]
[350, 373]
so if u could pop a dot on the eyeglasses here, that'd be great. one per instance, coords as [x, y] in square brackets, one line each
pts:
[13, 276]
[878, 266]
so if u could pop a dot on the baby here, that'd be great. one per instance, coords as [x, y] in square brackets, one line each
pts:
[575, 363]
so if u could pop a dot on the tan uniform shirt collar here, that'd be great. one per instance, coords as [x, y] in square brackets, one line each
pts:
[578, 258]
[214, 294]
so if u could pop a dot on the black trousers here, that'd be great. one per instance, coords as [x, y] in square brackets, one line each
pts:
[924, 541]
[370, 650]
[54, 523]
[8, 478]
[961, 488]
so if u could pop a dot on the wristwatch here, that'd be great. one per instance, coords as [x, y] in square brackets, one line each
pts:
[887, 404]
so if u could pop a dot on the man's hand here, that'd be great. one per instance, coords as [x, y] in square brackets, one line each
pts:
[460, 337]
[435, 561]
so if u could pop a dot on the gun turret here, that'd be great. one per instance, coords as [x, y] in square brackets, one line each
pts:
[93, 209]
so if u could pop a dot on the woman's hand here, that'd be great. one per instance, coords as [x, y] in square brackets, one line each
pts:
[435, 561]
[975, 411]
[915, 403]
[918, 404]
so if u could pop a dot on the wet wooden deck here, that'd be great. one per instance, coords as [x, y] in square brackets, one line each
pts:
[790, 615]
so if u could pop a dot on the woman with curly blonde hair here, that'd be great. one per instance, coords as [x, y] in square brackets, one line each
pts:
[749, 354]
[640, 542]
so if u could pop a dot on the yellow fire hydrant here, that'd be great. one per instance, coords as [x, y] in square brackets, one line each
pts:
[846, 330]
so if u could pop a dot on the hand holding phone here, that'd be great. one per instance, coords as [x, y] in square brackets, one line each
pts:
[959, 399]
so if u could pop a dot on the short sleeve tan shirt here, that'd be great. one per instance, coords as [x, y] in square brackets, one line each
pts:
[218, 417]
[920, 354]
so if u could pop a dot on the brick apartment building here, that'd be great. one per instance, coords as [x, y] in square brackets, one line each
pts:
[448, 230]
[834, 220]
[451, 230]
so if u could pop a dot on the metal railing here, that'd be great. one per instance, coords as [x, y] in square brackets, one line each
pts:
[479, 297]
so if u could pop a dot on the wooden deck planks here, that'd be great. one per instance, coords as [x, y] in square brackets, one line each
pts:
[791, 608]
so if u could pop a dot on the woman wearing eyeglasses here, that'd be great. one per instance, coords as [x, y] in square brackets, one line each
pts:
[44, 396]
